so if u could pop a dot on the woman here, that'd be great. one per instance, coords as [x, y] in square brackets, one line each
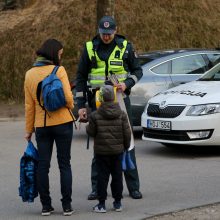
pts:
[50, 126]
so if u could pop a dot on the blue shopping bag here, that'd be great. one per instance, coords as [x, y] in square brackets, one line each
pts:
[127, 163]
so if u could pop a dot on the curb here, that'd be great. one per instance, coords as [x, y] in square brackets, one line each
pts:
[181, 211]
[11, 119]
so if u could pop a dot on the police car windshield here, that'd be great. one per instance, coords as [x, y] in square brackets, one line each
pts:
[212, 75]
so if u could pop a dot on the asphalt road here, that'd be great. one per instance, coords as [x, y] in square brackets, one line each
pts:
[170, 179]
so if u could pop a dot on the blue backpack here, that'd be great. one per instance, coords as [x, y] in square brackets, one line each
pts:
[52, 92]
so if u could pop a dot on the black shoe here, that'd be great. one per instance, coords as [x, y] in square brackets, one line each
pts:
[67, 210]
[47, 211]
[92, 196]
[135, 194]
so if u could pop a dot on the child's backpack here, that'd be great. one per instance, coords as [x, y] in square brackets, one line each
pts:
[51, 89]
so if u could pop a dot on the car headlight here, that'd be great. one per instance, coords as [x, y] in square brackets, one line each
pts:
[197, 110]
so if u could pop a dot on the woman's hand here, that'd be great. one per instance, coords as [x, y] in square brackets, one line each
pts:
[28, 136]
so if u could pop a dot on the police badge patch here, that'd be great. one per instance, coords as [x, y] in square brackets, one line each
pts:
[106, 24]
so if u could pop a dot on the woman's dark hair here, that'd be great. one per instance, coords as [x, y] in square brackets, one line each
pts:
[49, 50]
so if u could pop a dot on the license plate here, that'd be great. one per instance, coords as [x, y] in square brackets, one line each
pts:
[155, 124]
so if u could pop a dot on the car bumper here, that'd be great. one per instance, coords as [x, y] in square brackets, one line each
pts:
[182, 128]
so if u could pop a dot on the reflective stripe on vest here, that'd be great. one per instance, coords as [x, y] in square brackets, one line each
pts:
[97, 76]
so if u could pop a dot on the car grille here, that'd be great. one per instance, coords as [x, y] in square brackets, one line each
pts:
[170, 111]
[166, 135]
[169, 135]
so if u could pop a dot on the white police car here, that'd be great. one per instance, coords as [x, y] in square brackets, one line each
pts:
[188, 114]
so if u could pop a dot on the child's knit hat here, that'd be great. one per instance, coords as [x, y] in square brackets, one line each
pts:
[107, 93]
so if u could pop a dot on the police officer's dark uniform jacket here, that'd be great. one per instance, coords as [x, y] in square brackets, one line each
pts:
[130, 64]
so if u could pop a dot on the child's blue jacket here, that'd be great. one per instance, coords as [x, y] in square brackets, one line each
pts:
[28, 172]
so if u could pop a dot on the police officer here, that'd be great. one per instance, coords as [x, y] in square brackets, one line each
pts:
[108, 53]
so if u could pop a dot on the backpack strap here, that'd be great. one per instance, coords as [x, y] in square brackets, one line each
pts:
[74, 119]
[39, 87]
[55, 70]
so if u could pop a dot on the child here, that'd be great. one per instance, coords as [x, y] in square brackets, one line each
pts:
[110, 128]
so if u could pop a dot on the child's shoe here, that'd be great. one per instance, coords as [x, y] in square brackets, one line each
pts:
[117, 206]
[100, 208]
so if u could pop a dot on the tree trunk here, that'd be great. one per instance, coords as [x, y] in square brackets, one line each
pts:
[14, 4]
[105, 7]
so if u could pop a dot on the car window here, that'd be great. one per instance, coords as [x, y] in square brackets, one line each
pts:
[163, 68]
[194, 64]
[214, 58]
[212, 75]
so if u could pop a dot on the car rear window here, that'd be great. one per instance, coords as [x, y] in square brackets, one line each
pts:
[148, 57]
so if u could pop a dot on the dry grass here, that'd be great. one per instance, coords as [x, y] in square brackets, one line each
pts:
[149, 24]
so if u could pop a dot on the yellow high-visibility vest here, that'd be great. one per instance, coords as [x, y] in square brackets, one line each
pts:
[97, 76]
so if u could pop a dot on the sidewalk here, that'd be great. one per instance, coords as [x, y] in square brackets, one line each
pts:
[208, 212]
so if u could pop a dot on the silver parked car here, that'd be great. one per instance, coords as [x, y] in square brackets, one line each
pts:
[168, 68]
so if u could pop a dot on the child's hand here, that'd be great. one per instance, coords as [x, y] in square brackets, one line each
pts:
[83, 115]
[121, 86]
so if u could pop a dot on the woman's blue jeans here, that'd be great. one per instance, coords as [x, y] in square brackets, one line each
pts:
[45, 136]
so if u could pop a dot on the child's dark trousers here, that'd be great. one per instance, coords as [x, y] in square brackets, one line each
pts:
[109, 165]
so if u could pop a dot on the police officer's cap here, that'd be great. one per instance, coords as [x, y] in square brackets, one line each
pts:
[107, 25]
